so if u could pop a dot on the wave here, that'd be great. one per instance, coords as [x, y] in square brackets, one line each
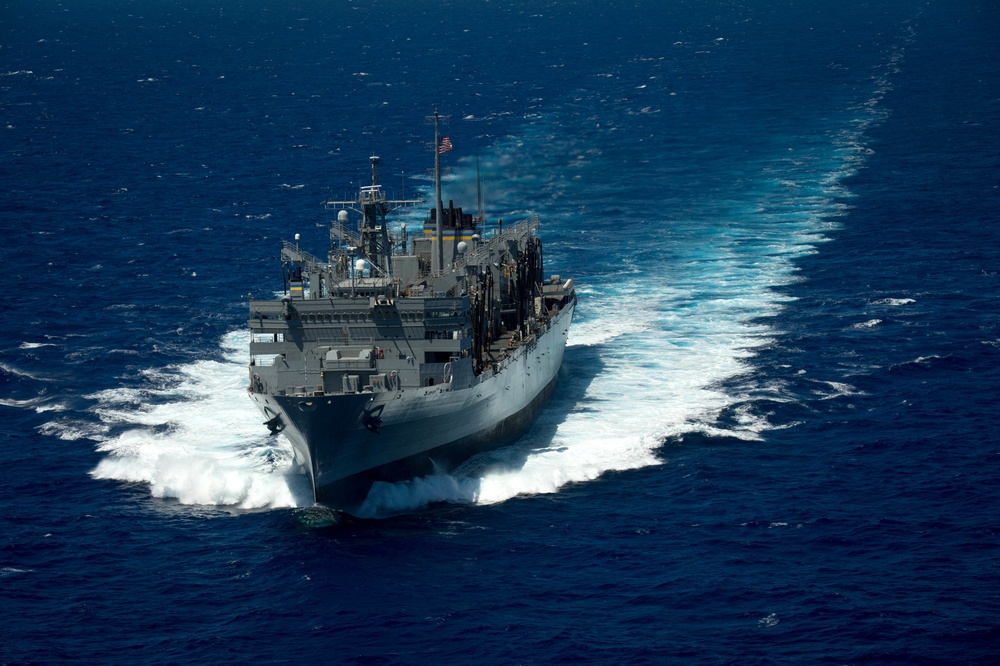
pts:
[8, 369]
[29, 402]
[894, 302]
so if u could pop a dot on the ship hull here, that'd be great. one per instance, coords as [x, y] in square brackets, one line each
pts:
[349, 442]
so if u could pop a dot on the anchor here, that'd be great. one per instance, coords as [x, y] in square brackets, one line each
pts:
[373, 419]
[275, 425]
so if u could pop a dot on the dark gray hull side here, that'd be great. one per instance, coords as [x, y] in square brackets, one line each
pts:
[349, 493]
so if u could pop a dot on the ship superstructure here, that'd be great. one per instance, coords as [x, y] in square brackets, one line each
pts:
[403, 351]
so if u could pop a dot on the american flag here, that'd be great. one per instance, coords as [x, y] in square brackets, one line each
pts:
[445, 145]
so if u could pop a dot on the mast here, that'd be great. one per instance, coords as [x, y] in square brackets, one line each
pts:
[437, 247]
[438, 239]
[479, 192]
[372, 242]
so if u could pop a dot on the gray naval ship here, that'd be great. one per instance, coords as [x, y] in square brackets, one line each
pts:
[401, 352]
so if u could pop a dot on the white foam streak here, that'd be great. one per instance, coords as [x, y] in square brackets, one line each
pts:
[11, 402]
[895, 302]
[16, 372]
[35, 345]
[197, 439]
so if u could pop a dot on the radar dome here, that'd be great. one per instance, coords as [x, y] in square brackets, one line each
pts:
[342, 216]
[462, 247]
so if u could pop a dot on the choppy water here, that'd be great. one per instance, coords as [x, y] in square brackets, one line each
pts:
[773, 439]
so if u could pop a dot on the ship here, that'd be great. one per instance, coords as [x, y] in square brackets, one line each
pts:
[401, 353]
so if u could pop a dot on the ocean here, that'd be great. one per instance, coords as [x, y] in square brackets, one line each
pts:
[774, 437]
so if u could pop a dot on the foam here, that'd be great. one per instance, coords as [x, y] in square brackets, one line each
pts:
[17, 372]
[11, 402]
[71, 430]
[196, 438]
[894, 302]
[40, 403]
[924, 360]
[13, 571]
[34, 345]
[838, 390]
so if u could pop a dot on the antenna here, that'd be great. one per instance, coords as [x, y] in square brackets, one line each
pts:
[479, 191]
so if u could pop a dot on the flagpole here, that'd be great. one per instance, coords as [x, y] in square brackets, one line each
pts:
[439, 240]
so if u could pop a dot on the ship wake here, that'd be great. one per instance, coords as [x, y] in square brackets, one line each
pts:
[669, 318]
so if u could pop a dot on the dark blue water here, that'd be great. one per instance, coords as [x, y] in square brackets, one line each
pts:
[774, 438]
